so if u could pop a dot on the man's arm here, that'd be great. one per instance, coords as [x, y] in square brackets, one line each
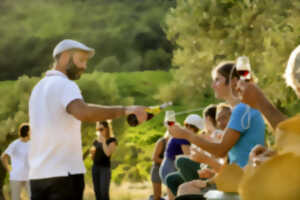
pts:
[5, 162]
[253, 96]
[93, 113]
[272, 114]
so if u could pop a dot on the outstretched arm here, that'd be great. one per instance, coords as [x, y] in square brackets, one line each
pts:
[218, 149]
[93, 113]
[5, 161]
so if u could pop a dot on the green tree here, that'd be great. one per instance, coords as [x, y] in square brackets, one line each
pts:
[121, 31]
[208, 31]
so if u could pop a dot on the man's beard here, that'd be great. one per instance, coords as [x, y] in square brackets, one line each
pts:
[73, 72]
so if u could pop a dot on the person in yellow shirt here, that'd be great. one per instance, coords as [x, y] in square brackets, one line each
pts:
[274, 174]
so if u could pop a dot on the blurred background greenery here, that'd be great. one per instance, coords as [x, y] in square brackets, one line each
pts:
[147, 52]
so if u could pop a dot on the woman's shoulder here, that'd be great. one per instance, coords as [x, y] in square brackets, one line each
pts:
[240, 106]
[243, 106]
[161, 140]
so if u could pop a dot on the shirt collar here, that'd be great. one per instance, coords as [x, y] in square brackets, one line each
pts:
[56, 73]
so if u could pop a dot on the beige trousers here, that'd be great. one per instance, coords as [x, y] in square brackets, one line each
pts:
[16, 188]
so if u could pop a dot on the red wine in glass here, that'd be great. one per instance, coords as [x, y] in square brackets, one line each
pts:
[171, 123]
[243, 73]
[243, 68]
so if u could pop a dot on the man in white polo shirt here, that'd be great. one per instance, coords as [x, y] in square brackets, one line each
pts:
[56, 109]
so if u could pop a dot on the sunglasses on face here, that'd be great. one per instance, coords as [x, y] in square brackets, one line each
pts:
[189, 126]
[101, 129]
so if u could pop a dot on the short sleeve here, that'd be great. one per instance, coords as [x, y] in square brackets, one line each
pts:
[10, 149]
[70, 93]
[238, 114]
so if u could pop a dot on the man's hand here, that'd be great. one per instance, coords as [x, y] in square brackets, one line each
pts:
[257, 151]
[260, 154]
[138, 111]
[249, 93]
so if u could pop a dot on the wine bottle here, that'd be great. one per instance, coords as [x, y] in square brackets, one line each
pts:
[151, 111]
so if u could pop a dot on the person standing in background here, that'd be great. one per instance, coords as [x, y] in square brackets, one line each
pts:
[17, 153]
[101, 152]
[157, 157]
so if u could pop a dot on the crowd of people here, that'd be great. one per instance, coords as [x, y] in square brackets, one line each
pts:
[232, 130]
[241, 125]
[47, 158]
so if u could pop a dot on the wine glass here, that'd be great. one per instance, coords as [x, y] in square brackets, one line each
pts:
[170, 117]
[243, 67]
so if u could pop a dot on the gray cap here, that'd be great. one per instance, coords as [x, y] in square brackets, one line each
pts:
[71, 44]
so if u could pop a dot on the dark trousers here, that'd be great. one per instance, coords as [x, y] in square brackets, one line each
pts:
[101, 181]
[59, 188]
[187, 171]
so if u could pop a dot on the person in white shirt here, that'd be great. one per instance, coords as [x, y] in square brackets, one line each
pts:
[17, 153]
[56, 110]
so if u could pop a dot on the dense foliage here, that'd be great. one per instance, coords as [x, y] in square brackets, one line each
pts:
[126, 34]
[209, 31]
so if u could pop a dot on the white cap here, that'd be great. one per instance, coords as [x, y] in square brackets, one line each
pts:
[195, 120]
[71, 44]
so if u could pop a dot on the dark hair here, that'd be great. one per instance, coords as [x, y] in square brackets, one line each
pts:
[104, 124]
[23, 130]
[210, 111]
[227, 69]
